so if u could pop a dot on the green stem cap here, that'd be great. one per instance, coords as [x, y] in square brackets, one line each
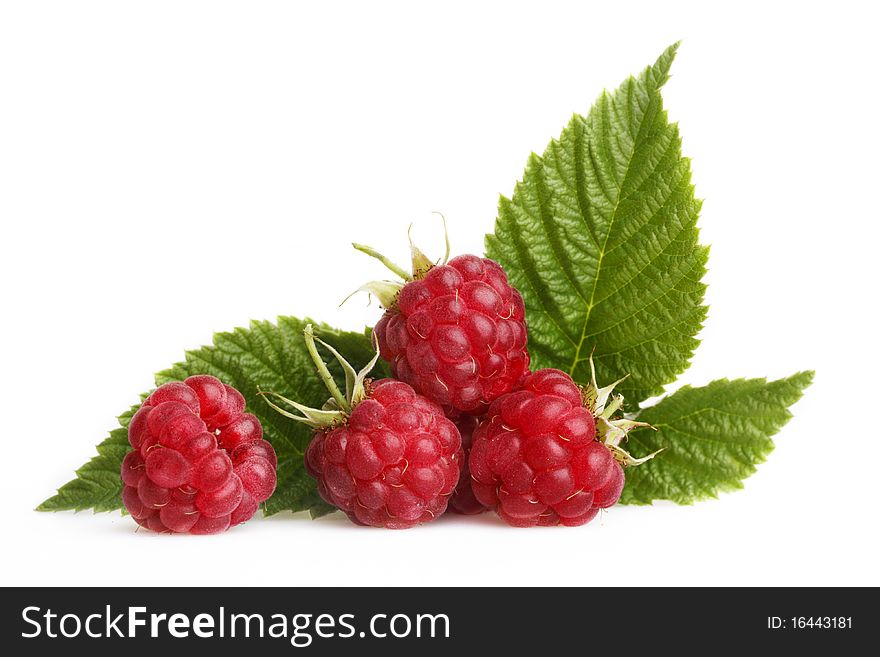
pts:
[603, 404]
[387, 291]
[338, 408]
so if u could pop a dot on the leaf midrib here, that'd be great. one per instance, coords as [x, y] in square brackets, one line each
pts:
[590, 305]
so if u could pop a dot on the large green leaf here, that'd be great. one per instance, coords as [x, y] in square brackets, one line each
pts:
[265, 356]
[600, 237]
[712, 438]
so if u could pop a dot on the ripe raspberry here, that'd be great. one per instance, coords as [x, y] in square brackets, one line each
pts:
[387, 457]
[458, 336]
[536, 459]
[455, 332]
[463, 500]
[199, 464]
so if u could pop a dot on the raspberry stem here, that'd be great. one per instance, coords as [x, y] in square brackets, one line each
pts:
[323, 372]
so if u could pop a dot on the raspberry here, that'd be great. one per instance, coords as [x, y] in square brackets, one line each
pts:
[458, 335]
[395, 464]
[463, 500]
[198, 463]
[387, 458]
[536, 459]
[455, 332]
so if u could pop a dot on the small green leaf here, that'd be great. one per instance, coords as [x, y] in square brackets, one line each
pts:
[712, 438]
[265, 356]
[600, 238]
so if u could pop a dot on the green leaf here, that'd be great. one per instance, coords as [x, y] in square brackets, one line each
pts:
[712, 438]
[600, 237]
[266, 356]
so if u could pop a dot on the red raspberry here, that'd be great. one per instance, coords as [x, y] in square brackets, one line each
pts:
[535, 458]
[383, 454]
[199, 464]
[463, 500]
[458, 334]
[396, 462]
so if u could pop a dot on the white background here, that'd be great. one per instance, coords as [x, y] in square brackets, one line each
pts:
[170, 169]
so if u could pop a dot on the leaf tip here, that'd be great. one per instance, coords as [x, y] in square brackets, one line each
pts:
[807, 376]
[48, 505]
[802, 380]
[660, 70]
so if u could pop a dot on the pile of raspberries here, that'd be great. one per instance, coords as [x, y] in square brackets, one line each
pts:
[463, 425]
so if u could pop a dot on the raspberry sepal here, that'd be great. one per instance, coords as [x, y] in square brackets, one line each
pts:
[339, 406]
[603, 404]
